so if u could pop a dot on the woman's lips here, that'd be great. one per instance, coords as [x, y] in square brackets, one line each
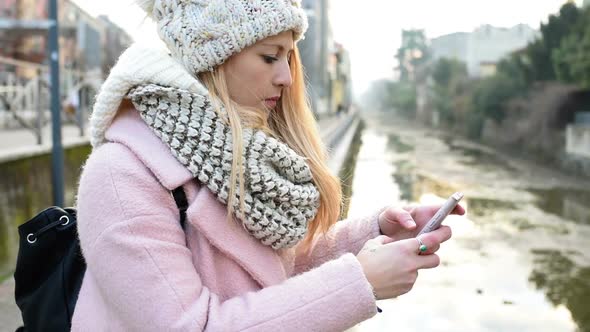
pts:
[271, 102]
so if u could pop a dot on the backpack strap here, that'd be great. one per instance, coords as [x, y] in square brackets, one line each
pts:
[181, 202]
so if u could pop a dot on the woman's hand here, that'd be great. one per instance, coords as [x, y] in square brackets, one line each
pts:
[405, 223]
[391, 267]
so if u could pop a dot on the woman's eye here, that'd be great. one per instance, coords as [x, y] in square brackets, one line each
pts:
[269, 59]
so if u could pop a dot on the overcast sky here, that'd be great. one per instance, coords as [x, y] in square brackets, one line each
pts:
[371, 29]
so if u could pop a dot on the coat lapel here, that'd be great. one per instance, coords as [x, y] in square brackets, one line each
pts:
[209, 216]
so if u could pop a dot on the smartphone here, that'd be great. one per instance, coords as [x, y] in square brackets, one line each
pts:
[442, 213]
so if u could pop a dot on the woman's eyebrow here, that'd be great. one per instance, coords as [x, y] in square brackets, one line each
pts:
[281, 47]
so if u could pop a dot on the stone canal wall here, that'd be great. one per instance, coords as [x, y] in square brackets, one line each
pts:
[26, 190]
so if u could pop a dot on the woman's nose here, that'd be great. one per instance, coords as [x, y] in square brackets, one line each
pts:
[283, 76]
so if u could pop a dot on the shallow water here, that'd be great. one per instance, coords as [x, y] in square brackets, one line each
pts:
[518, 261]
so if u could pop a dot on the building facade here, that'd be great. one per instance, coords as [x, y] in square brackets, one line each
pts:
[342, 87]
[83, 39]
[483, 47]
[114, 41]
[316, 50]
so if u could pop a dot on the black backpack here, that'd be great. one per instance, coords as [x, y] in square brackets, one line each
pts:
[50, 267]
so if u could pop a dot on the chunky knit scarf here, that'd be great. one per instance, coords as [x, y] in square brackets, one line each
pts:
[279, 196]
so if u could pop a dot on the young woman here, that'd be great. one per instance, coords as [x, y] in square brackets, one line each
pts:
[223, 115]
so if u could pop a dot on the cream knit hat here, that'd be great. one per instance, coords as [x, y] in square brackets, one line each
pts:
[202, 34]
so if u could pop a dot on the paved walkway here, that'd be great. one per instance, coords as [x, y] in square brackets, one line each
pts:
[15, 143]
[10, 317]
[18, 143]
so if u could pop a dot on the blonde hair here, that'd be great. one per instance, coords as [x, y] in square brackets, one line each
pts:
[293, 123]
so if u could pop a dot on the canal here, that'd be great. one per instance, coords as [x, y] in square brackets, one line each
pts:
[519, 260]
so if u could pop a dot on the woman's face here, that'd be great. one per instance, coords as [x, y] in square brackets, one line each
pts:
[258, 74]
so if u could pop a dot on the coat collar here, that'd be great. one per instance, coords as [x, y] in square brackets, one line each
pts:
[129, 129]
[205, 212]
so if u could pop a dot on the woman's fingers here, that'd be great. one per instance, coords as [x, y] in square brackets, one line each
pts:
[392, 266]
[459, 209]
[431, 250]
[425, 259]
[438, 236]
[430, 240]
[428, 261]
[399, 216]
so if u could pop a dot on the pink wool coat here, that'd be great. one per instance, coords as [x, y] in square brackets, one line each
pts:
[146, 274]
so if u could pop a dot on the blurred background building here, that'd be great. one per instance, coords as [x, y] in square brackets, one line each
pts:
[482, 48]
[89, 47]
[326, 63]
[86, 43]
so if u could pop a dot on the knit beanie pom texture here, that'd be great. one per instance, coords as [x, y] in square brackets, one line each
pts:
[202, 34]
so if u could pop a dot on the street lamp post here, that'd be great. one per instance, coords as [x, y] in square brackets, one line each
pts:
[57, 158]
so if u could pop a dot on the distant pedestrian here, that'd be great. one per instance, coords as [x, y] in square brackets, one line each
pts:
[72, 103]
[222, 114]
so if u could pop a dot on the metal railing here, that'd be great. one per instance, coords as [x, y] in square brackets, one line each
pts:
[24, 103]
